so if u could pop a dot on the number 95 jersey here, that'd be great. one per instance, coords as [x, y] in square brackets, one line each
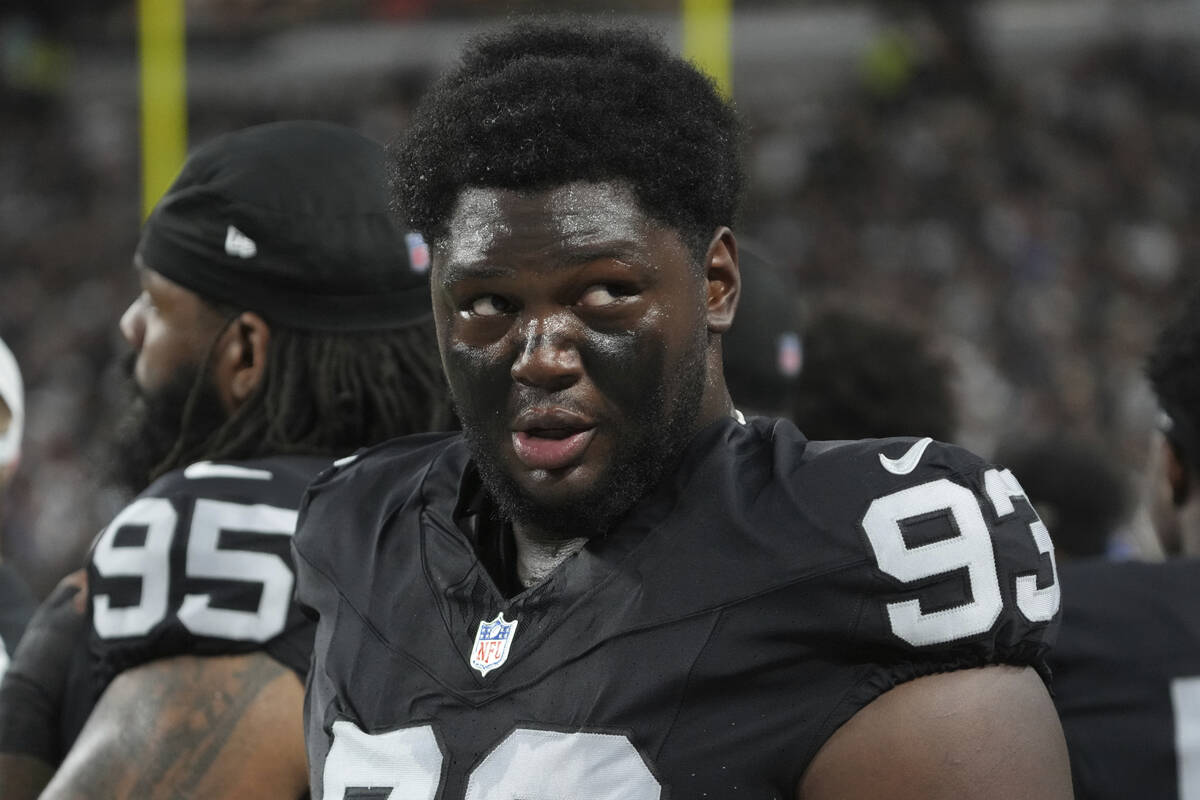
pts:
[200, 563]
[708, 646]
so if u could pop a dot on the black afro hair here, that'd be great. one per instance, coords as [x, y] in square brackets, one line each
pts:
[545, 103]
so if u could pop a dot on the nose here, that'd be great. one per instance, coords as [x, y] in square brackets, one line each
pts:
[133, 325]
[548, 358]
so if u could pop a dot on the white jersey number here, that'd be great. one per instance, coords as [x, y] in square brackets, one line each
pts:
[150, 561]
[1185, 705]
[971, 549]
[548, 765]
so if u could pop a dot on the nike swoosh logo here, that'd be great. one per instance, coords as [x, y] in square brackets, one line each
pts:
[907, 462]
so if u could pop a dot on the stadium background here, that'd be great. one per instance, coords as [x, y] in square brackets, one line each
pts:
[1020, 178]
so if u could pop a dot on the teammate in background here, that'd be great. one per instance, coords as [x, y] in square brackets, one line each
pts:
[609, 586]
[283, 321]
[16, 600]
[763, 357]
[1077, 489]
[1127, 669]
[864, 378]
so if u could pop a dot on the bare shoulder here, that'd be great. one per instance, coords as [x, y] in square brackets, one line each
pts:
[990, 732]
[228, 726]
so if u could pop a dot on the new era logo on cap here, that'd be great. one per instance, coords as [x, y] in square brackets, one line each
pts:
[239, 244]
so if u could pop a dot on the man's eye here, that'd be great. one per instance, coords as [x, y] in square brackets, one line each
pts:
[490, 305]
[602, 294]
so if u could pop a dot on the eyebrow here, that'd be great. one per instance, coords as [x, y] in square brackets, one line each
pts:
[620, 252]
[454, 273]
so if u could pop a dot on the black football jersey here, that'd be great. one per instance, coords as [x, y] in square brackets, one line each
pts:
[708, 646]
[1127, 678]
[200, 563]
[16, 607]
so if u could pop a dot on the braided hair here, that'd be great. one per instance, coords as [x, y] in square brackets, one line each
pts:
[324, 394]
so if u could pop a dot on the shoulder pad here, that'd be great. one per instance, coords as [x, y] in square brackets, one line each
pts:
[907, 458]
[279, 479]
[394, 453]
[355, 498]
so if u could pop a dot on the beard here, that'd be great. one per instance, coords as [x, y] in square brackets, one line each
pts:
[651, 444]
[153, 427]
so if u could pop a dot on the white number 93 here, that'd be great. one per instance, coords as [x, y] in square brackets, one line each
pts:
[971, 549]
[552, 765]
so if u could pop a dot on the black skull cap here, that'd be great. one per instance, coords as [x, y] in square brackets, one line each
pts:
[291, 220]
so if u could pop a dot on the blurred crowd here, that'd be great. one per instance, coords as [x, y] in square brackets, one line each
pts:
[1039, 224]
[1043, 224]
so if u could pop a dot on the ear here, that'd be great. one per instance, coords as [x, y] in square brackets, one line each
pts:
[241, 359]
[724, 281]
[1177, 474]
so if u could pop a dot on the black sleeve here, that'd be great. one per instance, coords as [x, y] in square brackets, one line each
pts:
[16, 607]
[959, 573]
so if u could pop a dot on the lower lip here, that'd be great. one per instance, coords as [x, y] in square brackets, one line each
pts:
[536, 452]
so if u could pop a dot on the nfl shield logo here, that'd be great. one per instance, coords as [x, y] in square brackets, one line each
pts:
[418, 252]
[789, 354]
[491, 644]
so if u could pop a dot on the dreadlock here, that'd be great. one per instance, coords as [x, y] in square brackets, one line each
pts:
[326, 394]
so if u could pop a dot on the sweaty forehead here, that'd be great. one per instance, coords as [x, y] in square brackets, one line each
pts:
[488, 223]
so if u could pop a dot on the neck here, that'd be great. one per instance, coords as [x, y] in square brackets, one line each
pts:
[538, 554]
[539, 551]
[716, 402]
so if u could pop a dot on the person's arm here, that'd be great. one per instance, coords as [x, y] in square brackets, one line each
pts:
[990, 732]
[190, 726]
[31, 693]
[23, 777]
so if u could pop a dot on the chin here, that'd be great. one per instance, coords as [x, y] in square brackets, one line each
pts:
[556, 489]
[550, 485]
[567, 504]
[581, 500]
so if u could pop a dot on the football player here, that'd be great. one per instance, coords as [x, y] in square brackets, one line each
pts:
[611, 585]
[865, 377]
[283, 321]
[762, 362]
[16, 600]
[1127, 669]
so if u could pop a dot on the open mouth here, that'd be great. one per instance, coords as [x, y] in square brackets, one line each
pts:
[551, 447]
